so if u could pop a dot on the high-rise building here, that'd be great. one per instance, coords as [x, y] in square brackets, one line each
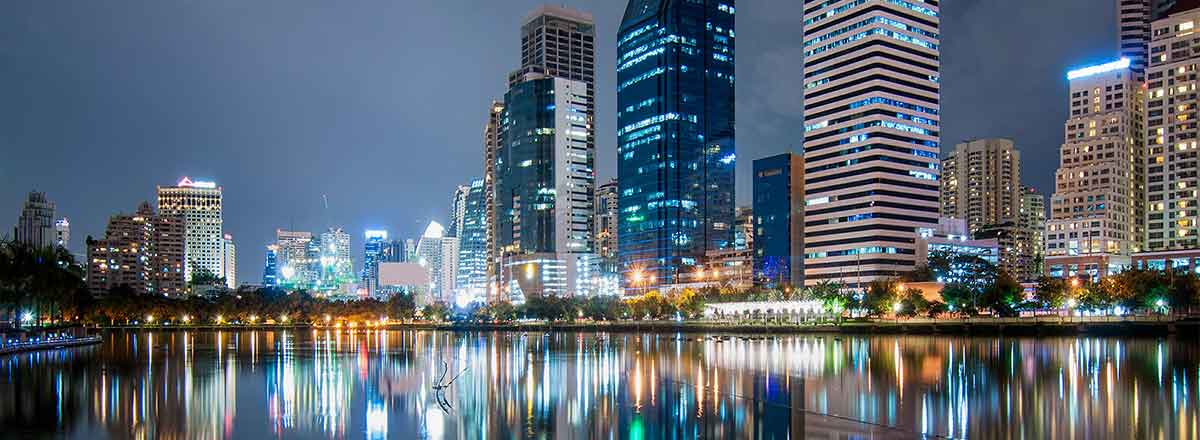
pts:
[779, 220]
[337, 268]
[471, 281]
[438, 254]
[373, 253]
[229, 264]
[1133, 25]
[299, 267]
[199, 203]
[458, 206]
[1172, 207]
[1032, 221]
[560, 43]
[872, 136]
[62, 233]
[743, 232]
[675, 137]
[271, 267]
[143, 251]
[545, 180]
[606, 214]
[981, 182]
[35, 227]
[1097, 209]
[491, 147]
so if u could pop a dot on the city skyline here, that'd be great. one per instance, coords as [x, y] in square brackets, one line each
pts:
[274, 179]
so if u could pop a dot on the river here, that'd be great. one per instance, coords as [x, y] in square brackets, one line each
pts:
[317, 384]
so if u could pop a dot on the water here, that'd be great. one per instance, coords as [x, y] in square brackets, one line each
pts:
[381, 384]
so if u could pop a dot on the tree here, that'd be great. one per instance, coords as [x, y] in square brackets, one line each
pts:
[959, 298]
[689, 303]
[1051, 293]
[437, 312]
[604, 308]
[913, 303]
[402, 306]
[881, 296]
[1002, 296]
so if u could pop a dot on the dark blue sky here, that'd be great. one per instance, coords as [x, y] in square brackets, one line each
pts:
[380, 105]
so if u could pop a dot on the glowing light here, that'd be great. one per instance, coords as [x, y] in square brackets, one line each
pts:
[1071, 303]
[220, 319]
[149, 319]
[1122, 63]
[1160, 303]
[26, 317]
[376, 234]
[288, 272]
[283, 319]
[189, 183]
[896, 307]
[187, 319]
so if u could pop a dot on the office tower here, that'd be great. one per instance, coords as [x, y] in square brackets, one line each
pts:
[35, 227]
[438, 254]
[373, 253]
[299, 268]
[544, 181]
[1032, 221]
[471, 280]
[458, 204]
[743, 232]
[560, 43]
[394, 251]
[871, 144]
[1133, 29]
[1096, 212]
[606, 214]
[491, 146]
[1171, 173]
[143, 251]
[675, 137]
[199, 203]
[337, 269]
[779, 220]
[229, 263]
[62, 233]
[981, 182]
[271, 268]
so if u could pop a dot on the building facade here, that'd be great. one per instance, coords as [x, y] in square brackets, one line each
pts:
[336, 265]
[560, 42]
[373, 252]
[981, 182]
[35, 226]
[1172, 211]
[143, 251]
[606, 215]
[199, 203]
[779, 220]
[1133, 29]
[299, 265]
[471, 279]
[872, 136]
[229, 261]
[458, 206]
[438, 254]
[271, 267]
[1032, 222]
[675, 137]
[62, 233]
[491, 147]
[1097, 210]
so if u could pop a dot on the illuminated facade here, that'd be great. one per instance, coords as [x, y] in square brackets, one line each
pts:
[337, 268]
[438, 254]
[1133, 26]
[675, 137]
[373, 253]
[471, 278]
[1097, 209]
[35, 227]
[779, 220]
[1172, 208]
[199, 203]
[981, 182]
[871, 136]
[144, 251]
[271, 267]
[298, 259]
[458, 206]
[491, 147]
[229, 263]
[606, 215]
[62, 233]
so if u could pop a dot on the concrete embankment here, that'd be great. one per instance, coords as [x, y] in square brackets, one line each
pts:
[49, 344]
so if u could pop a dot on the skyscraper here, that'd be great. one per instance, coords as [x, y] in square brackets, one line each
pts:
[337, 268]
[871, 144]
[981, 182]
[373, 254]
[1133, 25]
[1096, 211]
[606, 214]
[439, 255]
[779, 219]
[560, 42]
[1033, 222]
[35, 227]
[491, 147]
[199, 203]
[229, 261]
[299, 268]
[458, 204]
[143, 251]
[62, 233]
[271, 267]
[1172, 212]
[675, 136]
[471, 275]
[544, 179]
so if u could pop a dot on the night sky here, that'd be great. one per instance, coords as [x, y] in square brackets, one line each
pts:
[380, 105]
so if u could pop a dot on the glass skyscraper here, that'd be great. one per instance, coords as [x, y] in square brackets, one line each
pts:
[471, 278]
[675, 119]
[779, 219]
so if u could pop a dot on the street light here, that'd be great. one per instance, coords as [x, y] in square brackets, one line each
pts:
[283, 319]
[149, 319]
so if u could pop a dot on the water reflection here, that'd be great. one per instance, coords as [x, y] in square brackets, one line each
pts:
[379, 384]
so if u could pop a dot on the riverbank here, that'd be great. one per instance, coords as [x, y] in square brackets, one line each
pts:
[50, 344]
[1110, 326]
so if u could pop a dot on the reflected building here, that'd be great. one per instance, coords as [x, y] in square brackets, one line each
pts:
[675, 137]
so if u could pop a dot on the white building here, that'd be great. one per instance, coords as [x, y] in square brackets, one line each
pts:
[35, 227]
[199, 203]
[439, 255]
[229, 255]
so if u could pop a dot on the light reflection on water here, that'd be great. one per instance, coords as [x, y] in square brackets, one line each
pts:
[380, 384]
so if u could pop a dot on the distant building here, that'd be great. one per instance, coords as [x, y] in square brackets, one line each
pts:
[62, 233]
[491, 148]
[458, 206]
[981, 182]
[229, 255]
[35, 227]
[1032, 221]
[606, 215]
[299, 265]
[438, 254]
[271, 267]
[199, 203]
[337, 268]
[779, 220]
[952, 237]
[143, 250]
[471, 275]
[1097, 211]
[675, 137]
[373, 253]
[743, 231]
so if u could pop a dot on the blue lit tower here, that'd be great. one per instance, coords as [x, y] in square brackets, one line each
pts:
[675, 146]
[779, 219]
[373, 249]
[271, 269]
[471, 277]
